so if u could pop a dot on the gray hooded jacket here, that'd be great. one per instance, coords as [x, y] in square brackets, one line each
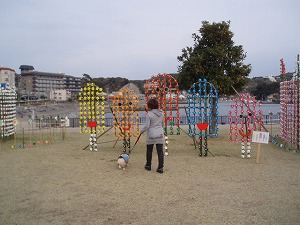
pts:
[154, 127]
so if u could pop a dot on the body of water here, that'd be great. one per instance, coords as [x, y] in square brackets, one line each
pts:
[224, 108]
[223, 117]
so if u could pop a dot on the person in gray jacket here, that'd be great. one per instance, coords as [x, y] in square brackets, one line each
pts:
[155, 134]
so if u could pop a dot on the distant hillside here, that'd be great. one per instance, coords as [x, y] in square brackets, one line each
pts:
[112, 84]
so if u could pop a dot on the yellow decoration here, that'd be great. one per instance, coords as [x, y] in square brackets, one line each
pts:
[89, 101]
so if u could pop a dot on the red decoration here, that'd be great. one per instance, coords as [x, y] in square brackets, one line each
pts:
[127, 128]
[202, 126]
[92, 124]
[246, 134]
[168, 118]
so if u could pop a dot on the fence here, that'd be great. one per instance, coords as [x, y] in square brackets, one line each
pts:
[74, 122]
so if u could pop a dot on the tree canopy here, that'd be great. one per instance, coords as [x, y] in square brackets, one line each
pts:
[215, 58]
[262, 87]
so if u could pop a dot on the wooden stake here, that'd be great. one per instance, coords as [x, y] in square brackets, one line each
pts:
[15, 139]
[23, 139]
[258, 153]
[30, 135]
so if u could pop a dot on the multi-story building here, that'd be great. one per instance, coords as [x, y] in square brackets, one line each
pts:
[72, 84]
[42, 83]
[7, 76]
[59, 95]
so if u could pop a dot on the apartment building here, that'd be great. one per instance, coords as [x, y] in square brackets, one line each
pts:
[72, 84]
[42, 83]
[7, 75]
[59, 95]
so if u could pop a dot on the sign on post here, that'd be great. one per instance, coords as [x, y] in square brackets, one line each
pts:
[260, 137]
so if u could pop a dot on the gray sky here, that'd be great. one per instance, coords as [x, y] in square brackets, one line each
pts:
[139, 38]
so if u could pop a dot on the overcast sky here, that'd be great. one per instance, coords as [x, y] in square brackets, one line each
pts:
[139, 38]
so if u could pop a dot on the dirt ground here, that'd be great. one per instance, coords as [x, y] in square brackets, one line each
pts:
[60, 183]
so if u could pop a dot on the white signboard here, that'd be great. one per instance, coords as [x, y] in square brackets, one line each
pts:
[260, 137]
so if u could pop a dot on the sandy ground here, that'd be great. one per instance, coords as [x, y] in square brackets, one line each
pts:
[61, 183]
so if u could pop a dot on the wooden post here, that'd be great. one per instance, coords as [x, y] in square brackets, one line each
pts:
[23, 139]
[53, 134]
[15, 140]
[42, 132]
[258, 153]
[30, 136]
[64, 133]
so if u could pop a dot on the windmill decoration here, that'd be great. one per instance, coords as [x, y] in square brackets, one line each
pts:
[8, 98]
[125, 109]
[202, 113]
[283, 70]
[290, 110]
[245, 118]
[92, 115]
[165, 89]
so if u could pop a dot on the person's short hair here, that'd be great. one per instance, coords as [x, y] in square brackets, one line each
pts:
[152, 104]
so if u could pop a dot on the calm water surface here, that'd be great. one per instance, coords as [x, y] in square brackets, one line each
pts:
[223, 109]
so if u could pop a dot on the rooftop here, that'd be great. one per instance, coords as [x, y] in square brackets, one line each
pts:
[5, 68]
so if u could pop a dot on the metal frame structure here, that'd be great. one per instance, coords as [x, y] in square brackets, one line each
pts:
[125, 109]
[92, 115]
[165, 89]
[202, 113]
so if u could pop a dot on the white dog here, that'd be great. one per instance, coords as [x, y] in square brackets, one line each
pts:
[123, 161]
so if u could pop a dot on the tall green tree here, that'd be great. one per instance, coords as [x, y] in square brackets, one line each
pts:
[214, 57]
[86, 77]
[264, 89]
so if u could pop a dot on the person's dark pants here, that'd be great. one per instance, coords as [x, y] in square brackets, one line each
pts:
[160, 154]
